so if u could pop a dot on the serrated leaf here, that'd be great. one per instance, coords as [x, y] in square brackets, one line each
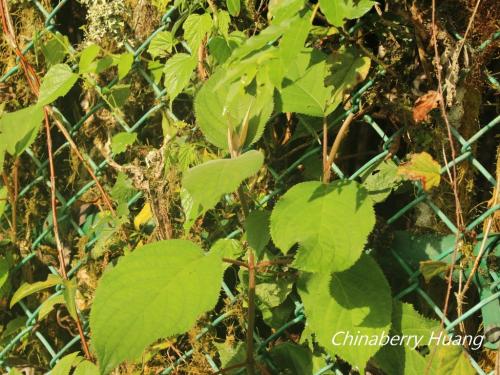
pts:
[348, 68]
[133, 308]
[216, 110]
[56, 83]
[161, 44]
[404, 359]
[121, 141]
[292, 359]
[330, 222]
[196, 27]
[408, 321]
[178, 70]
[422, 167]
[233, 6]
[303, 89]
[337, 11]
[206, 183]
[27, 289]
[87, 57]
[19, 129]
[257, 230]
[357, 300]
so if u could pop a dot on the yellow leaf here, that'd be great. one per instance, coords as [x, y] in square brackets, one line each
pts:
[422, 167]
[143, 217]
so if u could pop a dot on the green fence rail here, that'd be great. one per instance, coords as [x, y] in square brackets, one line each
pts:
[490, 292]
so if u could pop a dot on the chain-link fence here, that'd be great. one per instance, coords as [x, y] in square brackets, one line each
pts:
[489, 285]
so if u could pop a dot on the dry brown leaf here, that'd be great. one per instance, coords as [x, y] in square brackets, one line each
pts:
[424, 105]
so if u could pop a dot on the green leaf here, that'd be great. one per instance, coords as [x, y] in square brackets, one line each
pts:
[259, 41]
[3, 199]
[303, 88]
[348, 68]
[452, 359]
[227, 248]
[281, 10]
[124, 63]
[156, 70]
[223, 21]
[206, 183]
[57, 82]
[133, 308]
[220, 106]
[178, 70]
[233, 6]
[55, 49]
[118, 95]
[331, 223]
[64, 365]
[337, 11]
[123, 190]
[219, 48]
[257, 230]
[86, 368]
[231, 354]
[292, 41]
[422, 167]
[27, 289]
[292, 359]
[69, 294]
[357, 301]
[121, 141]
[401, 360]
[48, 305]
[404, 359]
[196, 27]
[19, 129]
[4, 271]
[87, 57]
[161, 44]
[431, 268]
[381, 181]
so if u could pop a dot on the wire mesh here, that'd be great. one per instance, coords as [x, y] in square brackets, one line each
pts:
[414, 284]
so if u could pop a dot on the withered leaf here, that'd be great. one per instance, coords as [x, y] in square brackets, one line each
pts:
[424, 105]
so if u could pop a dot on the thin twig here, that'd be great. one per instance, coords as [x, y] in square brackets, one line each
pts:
[74, 147]
[235, 262]
[336, 146]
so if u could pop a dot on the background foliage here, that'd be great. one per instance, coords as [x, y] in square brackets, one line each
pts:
[181, 145]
